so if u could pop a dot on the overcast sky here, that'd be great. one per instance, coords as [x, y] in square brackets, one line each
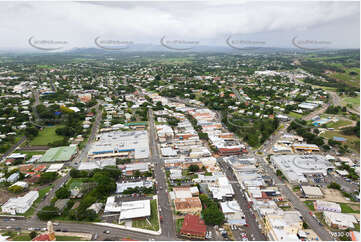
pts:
[208, 23]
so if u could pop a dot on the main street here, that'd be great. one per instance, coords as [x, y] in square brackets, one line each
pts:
[168, 225]
[253, 230]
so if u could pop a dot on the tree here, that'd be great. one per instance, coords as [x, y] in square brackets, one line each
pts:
[137, 173]
[193, 168]
[213, 216]
[33, 234]
[62, 193]
[334, 185]
[15, 189]
[48, 213]
[47, 177]
[31, 132]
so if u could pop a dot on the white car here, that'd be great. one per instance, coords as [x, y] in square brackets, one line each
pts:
[31, 229]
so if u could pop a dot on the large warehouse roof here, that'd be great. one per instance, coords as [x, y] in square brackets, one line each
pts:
[58, 154]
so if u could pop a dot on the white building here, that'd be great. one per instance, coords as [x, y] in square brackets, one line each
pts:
[20, 204]
[321, 205]
[339, 220]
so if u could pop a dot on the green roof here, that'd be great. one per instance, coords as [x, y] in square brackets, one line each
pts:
[136, 123]
[63, 153]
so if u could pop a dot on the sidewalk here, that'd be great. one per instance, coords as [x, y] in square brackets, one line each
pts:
[130, 228]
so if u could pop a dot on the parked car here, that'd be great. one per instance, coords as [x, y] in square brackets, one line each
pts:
[106, 231]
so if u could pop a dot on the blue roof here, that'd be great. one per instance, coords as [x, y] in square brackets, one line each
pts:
[340, 139]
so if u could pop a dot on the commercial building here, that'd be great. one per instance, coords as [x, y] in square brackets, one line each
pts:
[193, 227]
[20, 204]
[283, 226]
[191, 205]
[233, 213]
[127, 210]
[312, 192]
[126, 144]
[59, 154]
[305, 147]
[55, 167]
[295, 167]
[121, 187]
[339, 220]
[222, 189]
[97, 164]
[321, 205]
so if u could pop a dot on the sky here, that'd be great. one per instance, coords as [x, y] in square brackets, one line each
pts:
[179, 24]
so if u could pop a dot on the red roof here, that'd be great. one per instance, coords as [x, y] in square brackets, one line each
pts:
[193, 225]
[42, 237]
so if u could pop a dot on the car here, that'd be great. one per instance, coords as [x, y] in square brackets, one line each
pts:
[65, 230]
[106, 231]
[9, 227]
[6, 219]
[43, 229]
[55, 224]
[31, 229]
[58, 230]
[12, 219]
[37, 229]
[18, 228]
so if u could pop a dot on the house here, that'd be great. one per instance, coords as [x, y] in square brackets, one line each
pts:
[60, 204]
[193, 227]
[13, 177]
[339, 220]
[233, 213]
[184, 192]
[96, 207]
[321, 205]
[191, 205]
[20, 204]
[20, 184]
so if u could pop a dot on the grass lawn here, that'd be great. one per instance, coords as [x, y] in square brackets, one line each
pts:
[347, 209]
[143, 224]
[309, 204]
[26, 237]
[352, 140]
[67, 238]
[295, 115]
[47, 135]
[355, 101]
[357, 227]
[339, 123]
[75, 182]
[42, 193]
[179, 224]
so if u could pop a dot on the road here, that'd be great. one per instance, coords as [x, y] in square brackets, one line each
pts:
[296, 202]
[253, 231]
[239, 97]
[81, 156]
[168, 224]
[337, 101]
[115, 233]
[13, 148]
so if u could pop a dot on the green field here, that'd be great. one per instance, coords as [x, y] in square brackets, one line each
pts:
[26, 237]
[339, 123]
[353, 101]
[154, 224]
[46, 136]
[347, 209]
[352, 141]
[309, 204]
[179, 224]
[75, 182]
[295, 115]
[352, 80]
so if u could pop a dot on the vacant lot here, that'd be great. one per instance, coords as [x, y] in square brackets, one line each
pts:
[144, 224]
[46, 136]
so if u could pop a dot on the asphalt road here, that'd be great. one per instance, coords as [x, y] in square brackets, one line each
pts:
[252, 230]
[13, 148]
[84, 228]
[168, 224]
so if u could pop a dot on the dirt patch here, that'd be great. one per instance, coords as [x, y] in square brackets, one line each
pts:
[333, 195]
